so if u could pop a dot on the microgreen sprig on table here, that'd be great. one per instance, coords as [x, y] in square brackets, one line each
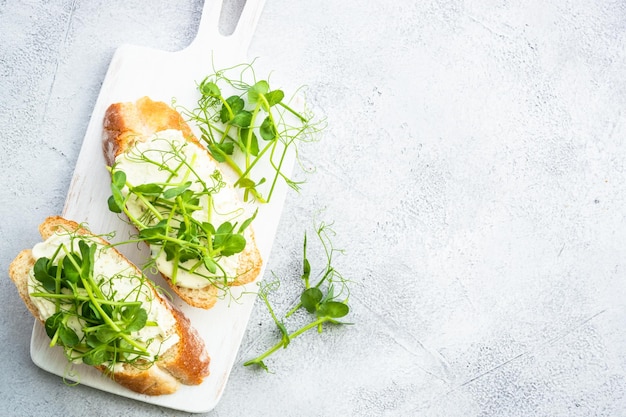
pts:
[234, 111]
[326, 301]
[167, 218]
[88, 322]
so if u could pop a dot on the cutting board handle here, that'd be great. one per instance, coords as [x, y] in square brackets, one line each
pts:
[209, 32]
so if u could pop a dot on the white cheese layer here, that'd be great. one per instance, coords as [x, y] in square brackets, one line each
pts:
[180, 161]
[119, 281]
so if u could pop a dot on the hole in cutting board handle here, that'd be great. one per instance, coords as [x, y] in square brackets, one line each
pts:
[229, 16]
[218, 16]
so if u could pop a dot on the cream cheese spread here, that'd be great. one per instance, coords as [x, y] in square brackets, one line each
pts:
[118, 281]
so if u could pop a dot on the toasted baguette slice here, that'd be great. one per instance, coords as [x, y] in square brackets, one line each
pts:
[126, 125]
[185, 362]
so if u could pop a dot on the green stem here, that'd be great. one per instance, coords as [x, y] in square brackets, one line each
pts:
[277, 168]
[249, 135]
[83, 298]
[180, 242]
[293, 310]
[229, 160]
[254, 162]
[329, 271]
[230, 110]
[292, 336]
[57, 289]
[292, 111]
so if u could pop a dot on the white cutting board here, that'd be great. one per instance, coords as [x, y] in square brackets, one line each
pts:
[135, 72]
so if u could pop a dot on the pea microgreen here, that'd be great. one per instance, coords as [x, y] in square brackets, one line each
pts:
[91, 321]
[243, 120]
[176, 216]
[321, 301]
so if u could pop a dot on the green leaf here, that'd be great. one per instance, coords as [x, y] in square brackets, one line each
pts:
[227, 147]
[113, 205]
[153, 234]
[171, 250]
[306, 268]
[253, 147]
[208, 228]
[310, 298]
[185, 254]
[70, 271]
[45, 273]
[260, 364]
[119, 179]
[246, 183]
[84, 249]
[148, 189]
[96, 356]
[226, 242]
[258, 89]
[87, 253]
[225, 228]
[116, 201]
[215, 152]
[53, 323]
[89, 313]
[123, 344]
[175, 251]
[236, 104]
[274, 97]
[248, 221]
[210, 264]
[268, 129]
[106, 334]
[107, 309]
[242, 119]
[129, 312]
[68, 337]
[333, 309]
[187, 232]
[92, 340]
[176, 191]
[189, 197]
[138, 318]
[209, 89]
[233, 244]
[218, 149]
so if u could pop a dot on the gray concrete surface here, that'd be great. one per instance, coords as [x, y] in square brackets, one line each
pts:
[473, 167]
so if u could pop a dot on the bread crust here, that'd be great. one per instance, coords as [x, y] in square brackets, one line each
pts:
[187, 362]
[129, 122]
[125, 123]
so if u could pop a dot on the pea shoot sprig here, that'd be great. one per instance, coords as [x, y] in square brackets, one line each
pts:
[234, 111]
[167, 217]
[90, 321]
[326, 301]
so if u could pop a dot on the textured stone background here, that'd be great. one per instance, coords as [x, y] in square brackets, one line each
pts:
[473, 168]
